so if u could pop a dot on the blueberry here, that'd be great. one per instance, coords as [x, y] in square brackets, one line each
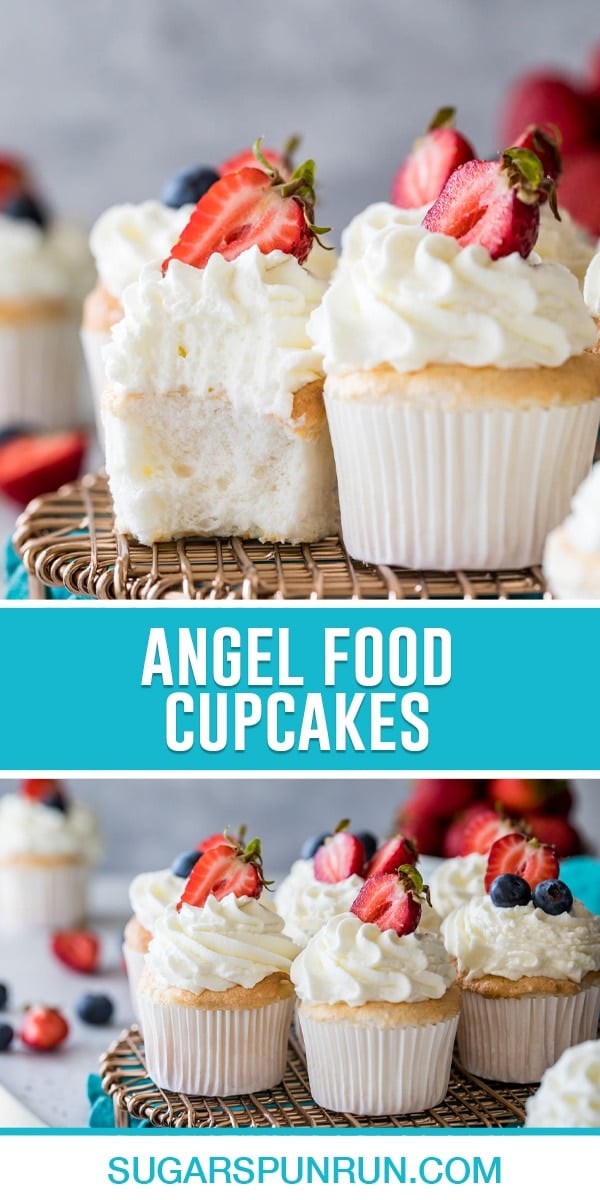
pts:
[95, 1009]
[6, 1036]
[369, 842]
[185, 862]
[188, 186]
[553, 897]
[55, 800]
[508, 891]
[23, 207]
[312, 844]
[3, 997]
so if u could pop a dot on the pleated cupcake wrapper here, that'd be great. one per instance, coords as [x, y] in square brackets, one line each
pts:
[515, 1041]
[93, 342]
[134, 965]
[41, 373]
[378, 1072]
[219, 1052]
[33, 897]
[428, 488]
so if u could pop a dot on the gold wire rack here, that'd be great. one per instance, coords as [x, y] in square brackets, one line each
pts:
[470, 1102]
[67, 539]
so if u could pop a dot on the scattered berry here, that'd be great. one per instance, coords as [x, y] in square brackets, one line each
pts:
[553, 897]
[3, 997]
[397, 852]
[493, 204]
[24, 207]
[184, 862]
[95, 1009]
[431, 162]
[312, 844]
[543, 98]
[340, 856]
[555, 831]
[225, 870]
[7, 1034]
[391, 901]
[516, 854]
[43, 1028]
[55, 800]
[482, 829]
[188, 186]
[509, 891]
[43, 463]
[369, 842]
[78, 949]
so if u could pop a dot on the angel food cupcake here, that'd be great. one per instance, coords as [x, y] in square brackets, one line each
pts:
[572, 552]
[569, 1094]
[47, 846]
[216, 1001]
[528, 962]
[45, 271]
[214, 418]
[462, 404]
[378, 1004]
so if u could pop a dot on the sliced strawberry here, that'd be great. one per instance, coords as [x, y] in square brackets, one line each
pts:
[35, 789]
[43, 1028]
[41, 463]
[391, 901]
[482, 829]
[555, 831]
[453, 846]
[78, 949]
[340, 856]
[247, 158]
[223, 871]
[397, 852]
[431, 162]
[221, 839]
[516, 854]
[491, 204]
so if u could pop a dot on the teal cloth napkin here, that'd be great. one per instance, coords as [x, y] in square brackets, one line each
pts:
[17, 583]
[102, 1114]
[582, 875]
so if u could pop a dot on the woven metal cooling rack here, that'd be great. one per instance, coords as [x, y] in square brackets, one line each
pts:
[470, 1102]
[67, 539]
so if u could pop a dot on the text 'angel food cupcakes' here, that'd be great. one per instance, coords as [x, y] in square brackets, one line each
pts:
[462, 404]
[378, 1004]
[215, 999]
[214, 418]
[528, 962]
[45, 271]
[47, 846]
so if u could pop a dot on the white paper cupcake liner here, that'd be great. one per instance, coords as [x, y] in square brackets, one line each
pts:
[516, 1040]
[378, 1072]
[134, 965]
[429, 488]
[41, 373]
[206, 1052]
[34, 897]
[93, 342]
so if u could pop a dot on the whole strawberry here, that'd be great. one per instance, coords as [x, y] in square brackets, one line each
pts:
[392, 900]
[433, 158]
[43, 1028]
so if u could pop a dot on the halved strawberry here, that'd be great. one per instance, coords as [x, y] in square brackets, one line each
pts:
[78, 949]
[40, 463]
[254, 207]
[493, 204]
[545, 141]
[392, 900]
[397, 852]
[431, 162]
[222, 839]
[35, 789]
[482, 829]
[340, 856]
[225, 870]
[516, 854]
[281, 160]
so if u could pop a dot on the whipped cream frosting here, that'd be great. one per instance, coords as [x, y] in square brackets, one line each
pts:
[564, 242]
[28, 827]
[406, 297]
[521, 942]
[237, 328]
[231, 941]
[456, 881]
[351, 962]
[569, 1094]
[582, 526]
[53, 263]
[591, 286]
[152, 892]
[127, 237]
[305, 903]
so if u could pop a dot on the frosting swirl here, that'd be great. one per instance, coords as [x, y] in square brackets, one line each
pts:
[28, 827]
[591, 286]
[128, 236]
[406, 297]
[569, 1094]
[45, 264]
[456, 881]
[231, 941]
[304, 903]
[151, 892]
[353, 962]
[522, 942]
[583, 524]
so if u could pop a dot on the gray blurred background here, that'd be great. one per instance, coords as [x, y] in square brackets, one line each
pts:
[109, 97]
[147, 822]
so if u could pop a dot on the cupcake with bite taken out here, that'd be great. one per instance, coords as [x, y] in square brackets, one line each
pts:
[528, 960]
[378, 1003]
[215, 999]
